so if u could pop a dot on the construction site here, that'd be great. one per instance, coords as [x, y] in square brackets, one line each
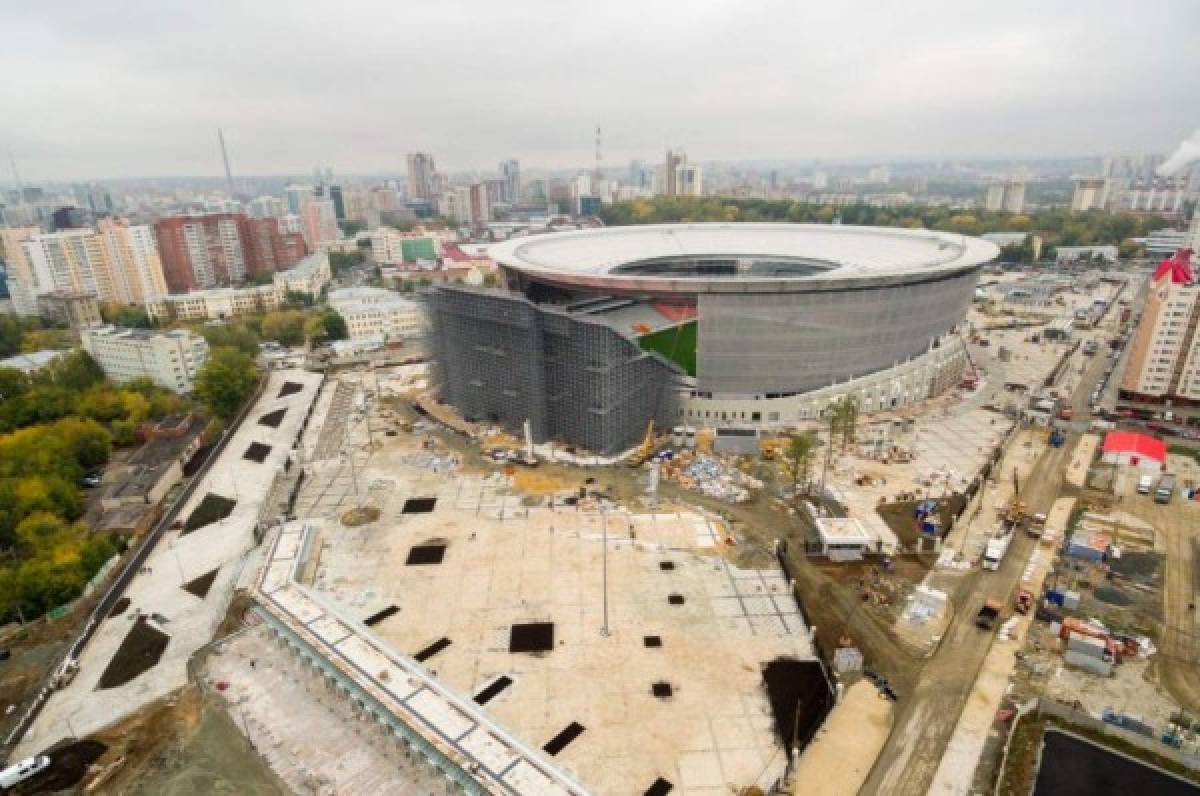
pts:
[423, 598]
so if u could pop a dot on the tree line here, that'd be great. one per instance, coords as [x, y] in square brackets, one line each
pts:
[1056, 226]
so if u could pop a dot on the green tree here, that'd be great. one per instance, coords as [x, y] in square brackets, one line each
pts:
[226, 381]
[284, 326]
[326, 326]
[799, 459]
[239, 335]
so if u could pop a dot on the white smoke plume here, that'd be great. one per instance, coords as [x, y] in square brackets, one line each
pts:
[1184, 154]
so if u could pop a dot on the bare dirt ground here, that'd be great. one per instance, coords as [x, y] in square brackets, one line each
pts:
[182, 745]
[1177, 665]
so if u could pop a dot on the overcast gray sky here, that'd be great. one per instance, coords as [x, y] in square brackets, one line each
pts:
[115, 89]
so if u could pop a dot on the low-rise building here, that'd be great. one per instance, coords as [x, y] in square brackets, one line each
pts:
[31, 363]
[170, 359]
[310, 275]
[373, 312]
[1070, 254]
[215, 304]
[1137, 450]
[70, 308]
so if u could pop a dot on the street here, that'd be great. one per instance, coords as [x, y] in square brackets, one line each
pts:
[926, 718]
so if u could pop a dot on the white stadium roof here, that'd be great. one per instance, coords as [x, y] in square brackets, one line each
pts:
[768, 256]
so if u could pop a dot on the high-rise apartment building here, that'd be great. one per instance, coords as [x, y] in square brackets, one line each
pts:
[169, 359]
[689, 180]
[1164, 357]
[671, 171]
[201, 251]
[297, 196]
[22, 282]
[224, 249]
[320, 222]
[422, 177]
[75, 260]
[133, 253]
[510, 173]
[1090, 192]
[1007, 195]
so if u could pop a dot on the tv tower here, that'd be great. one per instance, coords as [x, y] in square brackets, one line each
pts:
[596, 170]
[225, 158]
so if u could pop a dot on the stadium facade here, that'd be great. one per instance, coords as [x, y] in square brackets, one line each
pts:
[596, 331]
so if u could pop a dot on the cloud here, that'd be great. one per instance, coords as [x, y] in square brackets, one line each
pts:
[135, 88]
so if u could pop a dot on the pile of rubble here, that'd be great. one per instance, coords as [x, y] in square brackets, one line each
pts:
[710, 476]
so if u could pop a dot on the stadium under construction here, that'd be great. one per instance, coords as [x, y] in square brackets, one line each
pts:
[595, 332]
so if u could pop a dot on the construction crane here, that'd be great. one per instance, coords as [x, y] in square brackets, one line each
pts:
[639, 456]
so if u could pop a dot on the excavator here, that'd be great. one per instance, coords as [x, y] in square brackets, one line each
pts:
[644, 451]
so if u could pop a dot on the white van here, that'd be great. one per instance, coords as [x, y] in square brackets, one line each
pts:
[23, 770]
[1145, 485]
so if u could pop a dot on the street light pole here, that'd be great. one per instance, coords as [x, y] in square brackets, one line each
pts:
[604, 565]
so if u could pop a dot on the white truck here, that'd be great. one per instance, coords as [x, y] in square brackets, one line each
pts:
[995, 551]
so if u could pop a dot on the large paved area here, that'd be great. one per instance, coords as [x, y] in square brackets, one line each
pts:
[179, 558]
[628, 638]
[680, 618]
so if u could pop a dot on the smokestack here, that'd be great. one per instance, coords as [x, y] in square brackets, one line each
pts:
[225, 158]
[1184, 154]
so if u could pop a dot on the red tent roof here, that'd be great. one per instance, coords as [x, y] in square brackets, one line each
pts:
[1132, 442]
[1178, 267]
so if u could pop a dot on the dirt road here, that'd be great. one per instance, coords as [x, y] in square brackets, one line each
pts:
[927, 717]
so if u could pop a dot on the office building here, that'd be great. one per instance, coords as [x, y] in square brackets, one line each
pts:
[297, 196]
[69, 308]
[169, 359]
[1164, 356]
[339, 202]
[1006, 195]
[670, 171]
[422, 177]
[510, 174]
[374, 314]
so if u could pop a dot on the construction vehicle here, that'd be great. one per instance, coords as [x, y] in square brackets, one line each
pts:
[772, 448]
[995, 551]
[639, 456]
[986, 617]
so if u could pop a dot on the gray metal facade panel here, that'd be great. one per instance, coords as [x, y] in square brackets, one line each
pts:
[503, 359]
[796, 342]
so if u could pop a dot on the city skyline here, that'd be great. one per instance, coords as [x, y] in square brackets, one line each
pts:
[149, 88]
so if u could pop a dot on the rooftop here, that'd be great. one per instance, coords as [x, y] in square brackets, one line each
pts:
[1132, 442]
[28, 363]
[735, 257]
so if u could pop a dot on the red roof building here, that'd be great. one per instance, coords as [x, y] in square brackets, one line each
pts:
[1177, 267]
[1130, 447]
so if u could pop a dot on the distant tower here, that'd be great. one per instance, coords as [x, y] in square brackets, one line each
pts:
[17, 178]
[225, 158]
[596, 172]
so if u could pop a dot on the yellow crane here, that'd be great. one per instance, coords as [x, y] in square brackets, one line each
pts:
[639, 457]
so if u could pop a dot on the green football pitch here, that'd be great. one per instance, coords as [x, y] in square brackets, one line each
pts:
[678, 344]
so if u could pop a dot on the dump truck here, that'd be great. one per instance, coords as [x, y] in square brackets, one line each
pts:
[987, 615]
